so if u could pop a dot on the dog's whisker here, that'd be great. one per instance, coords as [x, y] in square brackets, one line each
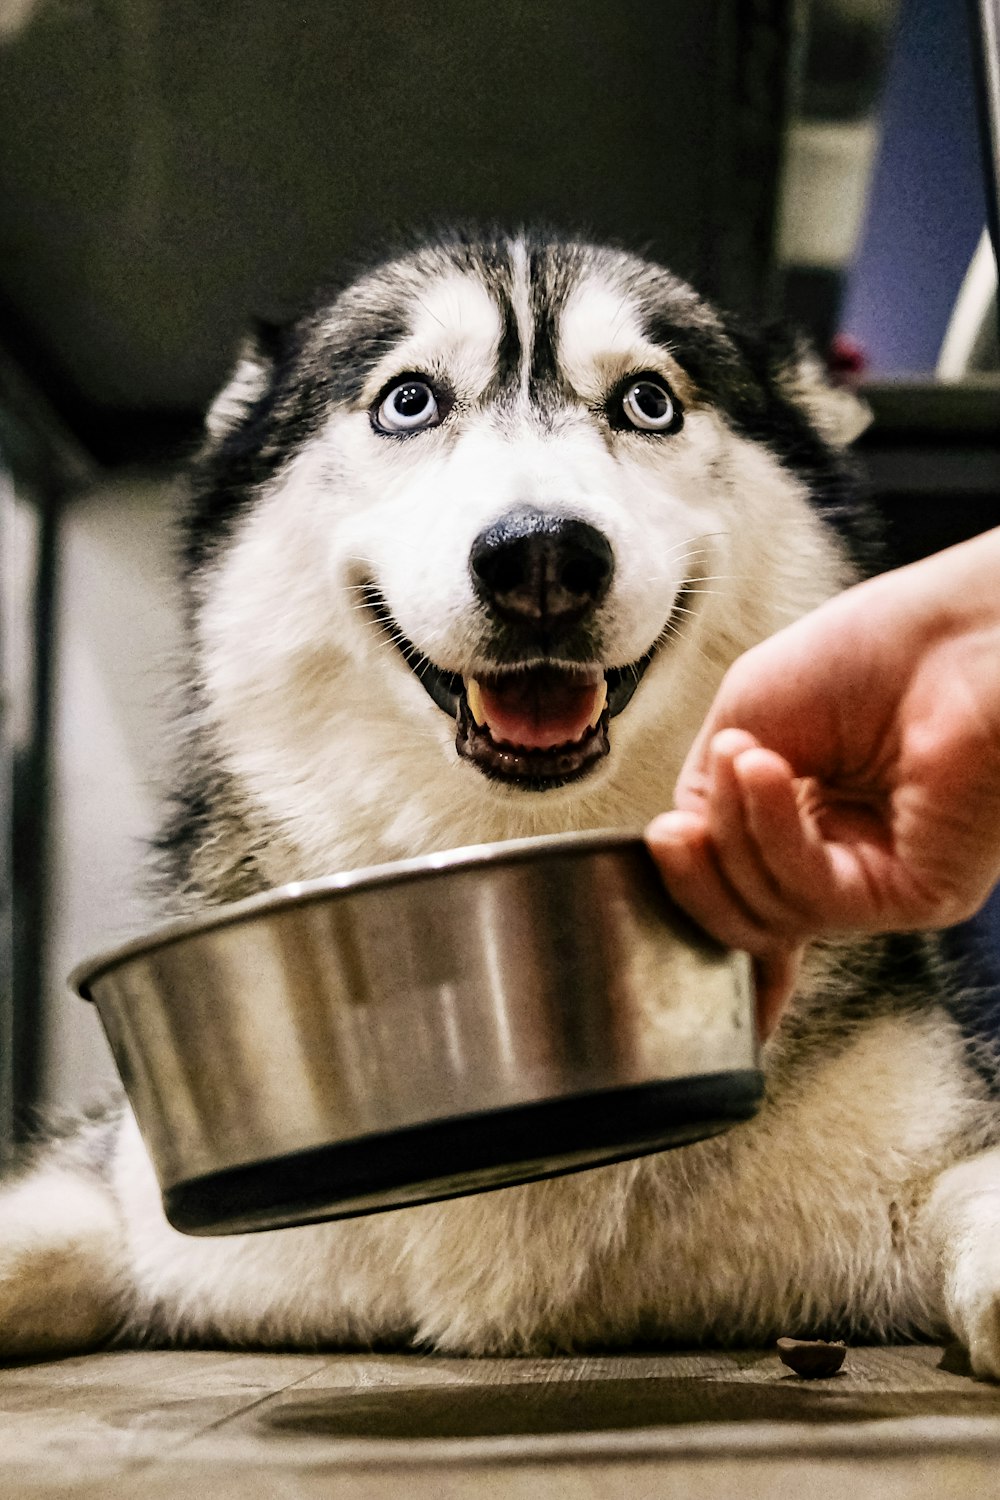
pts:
[682, 609]
[687, 583]
[692, 543]
[687, 588]
[683, 558]
[678, 559]
[394, 637]
[702, 536]
[670, 632]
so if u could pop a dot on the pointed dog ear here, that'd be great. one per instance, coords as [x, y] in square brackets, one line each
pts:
[786, 362]
[836, 412]
[255, 362]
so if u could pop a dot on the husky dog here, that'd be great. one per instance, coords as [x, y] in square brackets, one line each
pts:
[470, 546]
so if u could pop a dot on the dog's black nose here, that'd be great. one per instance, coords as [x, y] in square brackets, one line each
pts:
[534, 566]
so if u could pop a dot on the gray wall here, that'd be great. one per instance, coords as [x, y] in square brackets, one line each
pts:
[171, 167]
[117, 643]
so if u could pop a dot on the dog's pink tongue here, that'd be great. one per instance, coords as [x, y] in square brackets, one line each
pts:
[539, 710]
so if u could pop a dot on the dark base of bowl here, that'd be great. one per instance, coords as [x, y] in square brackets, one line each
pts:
[465, 1154]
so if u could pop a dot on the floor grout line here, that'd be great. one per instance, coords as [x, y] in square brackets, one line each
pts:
[149, 1462]
[280, 1390]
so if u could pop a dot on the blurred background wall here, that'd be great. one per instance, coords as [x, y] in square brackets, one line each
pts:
[117, 636]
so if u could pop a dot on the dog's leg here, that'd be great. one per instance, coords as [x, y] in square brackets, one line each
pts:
[962, 1222]
[60, 1263]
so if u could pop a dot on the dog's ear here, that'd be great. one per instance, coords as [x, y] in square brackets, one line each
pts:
[786, 362]
[838, 414]
[249, 380]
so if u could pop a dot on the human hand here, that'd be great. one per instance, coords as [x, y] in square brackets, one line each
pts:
[847, 776]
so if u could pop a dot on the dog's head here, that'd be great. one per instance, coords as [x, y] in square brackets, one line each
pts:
[473, 542]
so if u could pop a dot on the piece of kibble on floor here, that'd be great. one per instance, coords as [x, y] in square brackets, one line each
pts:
[813, 1359]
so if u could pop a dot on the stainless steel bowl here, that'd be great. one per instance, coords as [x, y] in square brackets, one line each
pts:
[420, 1030]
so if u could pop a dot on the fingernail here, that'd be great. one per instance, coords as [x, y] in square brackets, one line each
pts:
[732, 742]
[664, 829]
[676, 827]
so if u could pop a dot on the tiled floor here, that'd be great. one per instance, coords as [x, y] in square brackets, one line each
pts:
[893, 1425]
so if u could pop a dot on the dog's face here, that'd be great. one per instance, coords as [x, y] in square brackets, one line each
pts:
[476, 541]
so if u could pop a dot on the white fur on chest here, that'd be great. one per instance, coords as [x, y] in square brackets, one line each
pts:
[802, 1218]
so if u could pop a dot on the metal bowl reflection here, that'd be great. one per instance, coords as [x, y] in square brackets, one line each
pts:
[420, 1030]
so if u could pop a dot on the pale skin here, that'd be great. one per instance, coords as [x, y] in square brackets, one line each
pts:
[847, 776]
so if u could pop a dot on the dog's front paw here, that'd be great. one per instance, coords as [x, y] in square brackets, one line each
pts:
[973, 1299]
[60, 1266]
[978, 1328]
[962, 1217]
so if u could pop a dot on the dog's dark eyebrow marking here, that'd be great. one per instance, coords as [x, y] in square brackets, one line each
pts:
[548, 293]
[704, 353]
[663, 330]
[353, 357]
[507, 375]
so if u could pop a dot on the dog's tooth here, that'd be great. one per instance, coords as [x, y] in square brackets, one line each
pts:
[474, 698]
[600, 700]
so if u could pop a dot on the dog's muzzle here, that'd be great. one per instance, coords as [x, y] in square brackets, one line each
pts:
[538, 716]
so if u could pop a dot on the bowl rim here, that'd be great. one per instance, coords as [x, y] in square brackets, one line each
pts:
[351, 882]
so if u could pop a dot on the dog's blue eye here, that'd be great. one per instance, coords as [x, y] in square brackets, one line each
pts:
[409, 406]
[649, 406]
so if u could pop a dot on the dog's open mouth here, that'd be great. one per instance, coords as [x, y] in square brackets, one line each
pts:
[535, 725]
[542, 724]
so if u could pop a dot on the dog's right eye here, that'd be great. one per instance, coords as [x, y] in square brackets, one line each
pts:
[409, 406]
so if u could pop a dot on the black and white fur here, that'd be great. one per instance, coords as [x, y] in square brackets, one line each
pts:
[335, 622]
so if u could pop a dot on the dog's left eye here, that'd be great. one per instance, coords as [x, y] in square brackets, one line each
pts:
[408, 407]
[648, 405]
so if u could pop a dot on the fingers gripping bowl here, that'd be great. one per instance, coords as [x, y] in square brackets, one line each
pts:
[419, 1030]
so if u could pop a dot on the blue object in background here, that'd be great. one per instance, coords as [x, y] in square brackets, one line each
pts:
[974, 949]
[927, 204]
